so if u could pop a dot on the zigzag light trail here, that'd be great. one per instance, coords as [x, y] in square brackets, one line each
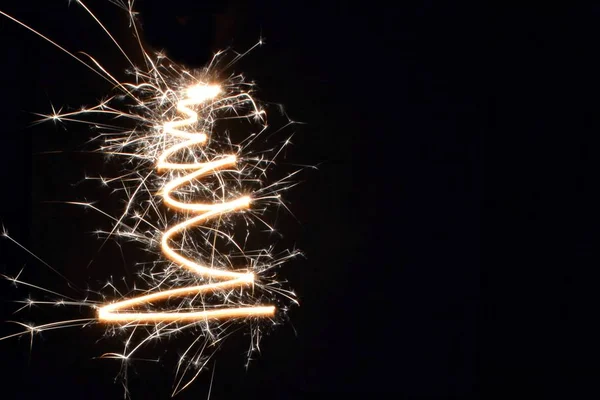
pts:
[195, 95]
[189, 190]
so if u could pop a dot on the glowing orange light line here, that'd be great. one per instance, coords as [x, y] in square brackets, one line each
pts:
[114, 312]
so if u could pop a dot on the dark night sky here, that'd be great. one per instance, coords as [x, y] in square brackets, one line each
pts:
[403, 290]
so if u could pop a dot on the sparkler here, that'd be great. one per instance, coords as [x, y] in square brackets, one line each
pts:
[178, 160]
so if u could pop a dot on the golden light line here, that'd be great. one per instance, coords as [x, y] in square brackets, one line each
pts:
[114, 312]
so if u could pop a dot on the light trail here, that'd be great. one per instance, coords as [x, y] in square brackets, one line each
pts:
[196, 95]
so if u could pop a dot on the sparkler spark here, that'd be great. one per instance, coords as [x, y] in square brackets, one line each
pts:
[177, 158]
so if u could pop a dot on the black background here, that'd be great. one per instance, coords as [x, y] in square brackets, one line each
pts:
[399, 293]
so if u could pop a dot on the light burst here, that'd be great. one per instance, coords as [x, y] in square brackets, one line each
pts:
[188, 189]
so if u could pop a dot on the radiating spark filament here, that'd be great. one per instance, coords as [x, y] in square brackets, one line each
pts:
[114, 312]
